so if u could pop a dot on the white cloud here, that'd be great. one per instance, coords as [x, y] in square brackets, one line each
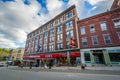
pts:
[18, 19]
[7, 43]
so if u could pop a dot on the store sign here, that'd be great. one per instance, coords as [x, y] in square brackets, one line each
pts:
[56, 55]
[113, 51]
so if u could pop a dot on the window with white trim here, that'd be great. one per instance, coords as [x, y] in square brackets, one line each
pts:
[92, 28]
[36, 40]
[118, 34]
[45, 34]
[41, 36]
[51, 31]
[82, 30]
[45, 41]
[59, 46]
[84, 42]
[52, 39]
[107, 39]
[68, 15]
[69, 24]
[45, 48]
[59, 20]
[103, 26]
[59, 28]
[69, 34]
[51, 47]
[95, 40]
[68, 45]
[117, 22]
[59, 37]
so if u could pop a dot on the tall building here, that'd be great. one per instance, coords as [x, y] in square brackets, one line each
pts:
[100, 37]
[51, 41]
[67, 40]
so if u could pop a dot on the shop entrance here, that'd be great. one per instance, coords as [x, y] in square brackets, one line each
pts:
[98, 57]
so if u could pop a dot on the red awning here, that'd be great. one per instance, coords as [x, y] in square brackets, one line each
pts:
[55, 55]
[75, 54]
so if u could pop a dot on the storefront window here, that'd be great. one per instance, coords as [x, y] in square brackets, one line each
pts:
[115, 57]
[87, 56]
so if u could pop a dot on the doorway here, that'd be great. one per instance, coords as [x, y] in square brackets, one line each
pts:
[98, 58]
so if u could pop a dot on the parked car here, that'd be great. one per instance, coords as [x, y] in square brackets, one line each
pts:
[3, 63]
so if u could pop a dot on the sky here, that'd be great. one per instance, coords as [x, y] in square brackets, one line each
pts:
[20, 17]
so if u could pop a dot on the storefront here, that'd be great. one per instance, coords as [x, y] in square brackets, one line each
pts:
[101, 56]
[114, 55]
[58, 59]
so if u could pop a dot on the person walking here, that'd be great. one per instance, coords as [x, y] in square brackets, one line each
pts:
[30, 65]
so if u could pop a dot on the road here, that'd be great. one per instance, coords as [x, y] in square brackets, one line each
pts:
[9, 74]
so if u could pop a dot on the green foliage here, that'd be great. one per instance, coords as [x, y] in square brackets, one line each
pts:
[4, 53]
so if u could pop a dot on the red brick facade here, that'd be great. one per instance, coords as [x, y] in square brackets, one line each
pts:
[116, 4]
[31, 38]
[106, 17]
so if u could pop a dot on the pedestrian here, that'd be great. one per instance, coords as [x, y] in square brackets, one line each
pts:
[30, 65]
[45, 66]
[50, 65]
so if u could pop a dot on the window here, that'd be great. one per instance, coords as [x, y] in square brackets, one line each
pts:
[118, 34]
[68, 15]
[51, 25]
[59, 37]
[84, 42]
[92, 28]
[87, 56]
[51, 48]
[41, 30]
[114, 57]
[19, 51]
[117, 23]
[51, 31]
[59, 28]
[69, 24]
[68, 45]
[40, 42]
[69, 34]
[41, 36]
[82, 30]
[59, 20]
[59, 46]
[45, 41]
[33, 42]
[45, 49]
[103, 26]
[94, 40]
[36, 40]
[45, 28]
[45, 34]
[107, 39]
[52, 39]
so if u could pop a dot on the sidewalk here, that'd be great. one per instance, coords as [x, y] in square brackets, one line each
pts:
[108, 68]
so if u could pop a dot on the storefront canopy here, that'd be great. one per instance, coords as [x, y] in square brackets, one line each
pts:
[54, 55]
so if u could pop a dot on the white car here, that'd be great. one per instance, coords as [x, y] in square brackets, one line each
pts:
[3, 63]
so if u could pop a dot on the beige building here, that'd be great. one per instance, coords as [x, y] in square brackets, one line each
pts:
[17, 54]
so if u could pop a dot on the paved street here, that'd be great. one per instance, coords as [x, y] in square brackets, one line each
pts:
[10, 74]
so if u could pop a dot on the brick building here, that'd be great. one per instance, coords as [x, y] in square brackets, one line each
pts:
[99, 37]
[50, 42]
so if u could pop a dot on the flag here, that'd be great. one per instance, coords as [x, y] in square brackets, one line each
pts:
[39, 47]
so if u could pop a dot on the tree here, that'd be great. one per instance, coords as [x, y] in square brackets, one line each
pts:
[4, 53]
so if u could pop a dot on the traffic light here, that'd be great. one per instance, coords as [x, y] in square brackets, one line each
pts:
[72, 42]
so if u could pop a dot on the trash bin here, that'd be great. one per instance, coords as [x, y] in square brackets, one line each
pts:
[83, 66]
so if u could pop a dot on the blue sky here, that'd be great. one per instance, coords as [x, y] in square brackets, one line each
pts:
[20, 17]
